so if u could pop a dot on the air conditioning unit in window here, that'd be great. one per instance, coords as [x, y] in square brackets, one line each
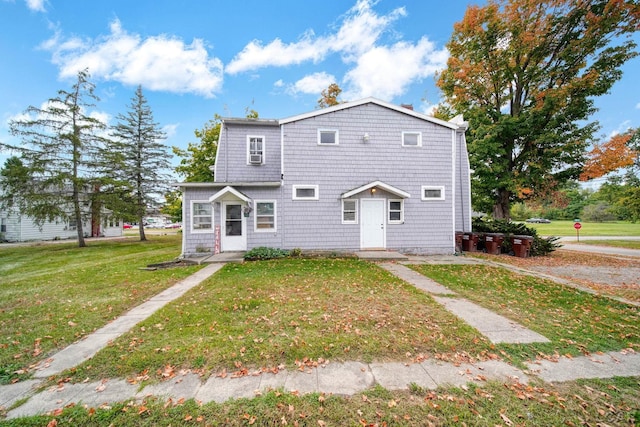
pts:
[255, 159]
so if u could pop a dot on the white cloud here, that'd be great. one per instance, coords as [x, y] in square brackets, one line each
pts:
[279, 83]
[385, 72]
[638, 105]
[171, 129]
[312, 84]
[374, 68]
[36, 5]
[359, 31]
[160, 63]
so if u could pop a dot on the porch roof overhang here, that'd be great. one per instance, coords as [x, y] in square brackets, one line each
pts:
[379, 184]
[228, 190]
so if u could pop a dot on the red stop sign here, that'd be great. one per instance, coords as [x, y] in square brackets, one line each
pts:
[577, 226]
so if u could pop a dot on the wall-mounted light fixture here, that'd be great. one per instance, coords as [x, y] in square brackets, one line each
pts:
[373, 191]
[365, 137]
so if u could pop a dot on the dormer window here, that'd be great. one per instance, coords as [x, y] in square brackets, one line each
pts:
[255, 150]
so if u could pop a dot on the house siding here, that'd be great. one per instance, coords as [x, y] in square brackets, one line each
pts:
[231, 161]
[353, 163]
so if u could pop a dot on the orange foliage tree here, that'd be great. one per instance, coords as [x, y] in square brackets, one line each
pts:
[617, 153]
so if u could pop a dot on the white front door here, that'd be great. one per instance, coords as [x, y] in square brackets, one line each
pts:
[373, 226]
[234, 227]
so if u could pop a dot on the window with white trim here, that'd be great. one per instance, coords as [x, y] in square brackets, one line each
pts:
[349, 211]
[327, 137]
[201, 216]
[255, 150]
[396, 211]
[305, 192]
[411, 139]
[431, 192]
[3, 225]
[265, 218]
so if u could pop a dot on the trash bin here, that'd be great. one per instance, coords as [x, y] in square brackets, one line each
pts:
[459, 235]
[470, 242]
[521, 245]
[493, 243]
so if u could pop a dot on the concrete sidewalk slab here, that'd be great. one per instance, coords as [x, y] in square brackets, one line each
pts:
[222, 389]
[12, 393]
[398, 376]
[497, 328]
[612, 364]
[85, 349]
[450, 375]
[184, 386]
[416, 279]
[344, 378]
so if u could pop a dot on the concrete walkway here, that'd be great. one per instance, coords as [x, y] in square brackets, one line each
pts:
[337, 378]
[496, 328]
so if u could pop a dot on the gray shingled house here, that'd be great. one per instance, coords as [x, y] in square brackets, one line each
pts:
[363, 175]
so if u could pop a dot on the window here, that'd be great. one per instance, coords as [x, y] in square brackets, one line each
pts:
[3, 225]
[327, 137]
[349, 211]
[255, 150]
[201, 216]
[305, 192]
[396, 211]
[265, 216]
[411, 139]
[432, 193]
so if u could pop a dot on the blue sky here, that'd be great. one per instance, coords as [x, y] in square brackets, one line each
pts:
[198, 58]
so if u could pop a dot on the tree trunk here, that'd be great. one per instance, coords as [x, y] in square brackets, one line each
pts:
[502, 207]
[143, 237]
[78, 216]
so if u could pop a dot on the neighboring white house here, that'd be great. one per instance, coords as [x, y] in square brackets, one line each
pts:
[15, 227]
[363, 175]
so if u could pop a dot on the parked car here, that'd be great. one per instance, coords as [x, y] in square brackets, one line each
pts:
[126, 226]
[172, 225]
[539, 220]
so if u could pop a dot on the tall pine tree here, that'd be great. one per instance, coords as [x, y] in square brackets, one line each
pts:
[142, 157]
[58, 158]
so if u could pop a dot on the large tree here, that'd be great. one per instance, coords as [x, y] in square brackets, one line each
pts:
[525, 74]
[143, 158]
[58, 157]
[196, 163]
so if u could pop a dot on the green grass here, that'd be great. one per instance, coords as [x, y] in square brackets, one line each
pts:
[54, 294]
[590, 402]
[565, 228]
[267, 314]
[575, 322]
[628, 244]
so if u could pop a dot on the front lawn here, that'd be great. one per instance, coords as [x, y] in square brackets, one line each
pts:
[53, 294]
[565, 228]
[268, 315]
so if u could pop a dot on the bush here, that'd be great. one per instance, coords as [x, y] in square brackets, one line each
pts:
[598, 213]
[262, 253]
[540, 246]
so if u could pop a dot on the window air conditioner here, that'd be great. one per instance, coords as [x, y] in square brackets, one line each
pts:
[255, 159]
